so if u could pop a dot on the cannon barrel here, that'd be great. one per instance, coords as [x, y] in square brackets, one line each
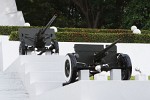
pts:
[39, 37]
[98, 56]
[48, 25]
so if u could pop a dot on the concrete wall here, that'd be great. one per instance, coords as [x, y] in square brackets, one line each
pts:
[9, 51]
[139, 53]
[1, 57]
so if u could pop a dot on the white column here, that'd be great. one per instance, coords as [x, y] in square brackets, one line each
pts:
[101, 76]
[7, 6]
[141, 77]
[9, 14]
[84, 75]
[115, 74]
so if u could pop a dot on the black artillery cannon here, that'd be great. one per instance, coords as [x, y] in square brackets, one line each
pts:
[96, 59]
[38, 39]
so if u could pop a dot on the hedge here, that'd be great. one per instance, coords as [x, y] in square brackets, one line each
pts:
[87, 35]
[94, 30]
[95, 37]
[6, 30]
[102, 37]
[99, 30]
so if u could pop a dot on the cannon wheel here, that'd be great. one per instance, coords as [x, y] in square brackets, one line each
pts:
[22, 49]
[70, 69]
[124, 61]
[56, 46]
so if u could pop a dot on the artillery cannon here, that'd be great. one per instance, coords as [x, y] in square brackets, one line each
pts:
[38, 39]
[96, 59]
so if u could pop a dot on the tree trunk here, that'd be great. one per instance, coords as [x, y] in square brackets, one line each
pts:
[87, 11]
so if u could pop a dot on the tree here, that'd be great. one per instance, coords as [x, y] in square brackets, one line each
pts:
[91, 10]
[119, 12]
[87, 13]
[137, 13]
[39, 12]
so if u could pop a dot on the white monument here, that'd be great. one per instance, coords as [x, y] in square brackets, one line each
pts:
[9, 15]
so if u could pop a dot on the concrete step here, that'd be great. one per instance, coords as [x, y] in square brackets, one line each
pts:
[39, 73]
[11, 84]
[44, 58]
[43, 66]
[33, 77]
[42, 87]
[9, 75]
[11, 87]
[100, 90]
[44, 77]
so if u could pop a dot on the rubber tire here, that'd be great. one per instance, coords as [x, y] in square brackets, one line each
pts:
[123, 60]
[22, 49]
[70, 69]
[56, 46]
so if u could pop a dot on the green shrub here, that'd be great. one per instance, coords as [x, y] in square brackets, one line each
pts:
[14, 36]
[89, 30]
[95, 37]
[6, 30]
[87, 35]
[102, 37]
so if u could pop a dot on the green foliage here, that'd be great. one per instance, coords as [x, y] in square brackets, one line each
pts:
[6, 30]
[96, 37]
[87, 13]
[137, 13]
[39, 12]
[92, 78]
[102, 37]
[90, 30]
[87, 35]
[14, 36]
[132, 78]
[108, 78]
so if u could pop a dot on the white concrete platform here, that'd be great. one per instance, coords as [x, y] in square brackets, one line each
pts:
[25, 60]
[39, 88]
[41, 77]
[45, 76]
[100, 90]
[43, 66]
[11, 87]
[39, 74]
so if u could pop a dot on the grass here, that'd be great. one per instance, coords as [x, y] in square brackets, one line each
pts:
[132, 78]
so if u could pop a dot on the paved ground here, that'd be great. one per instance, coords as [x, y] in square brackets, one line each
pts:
[11, 87]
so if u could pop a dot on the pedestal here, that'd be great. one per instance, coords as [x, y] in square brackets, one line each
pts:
[101, 76]
[115, 74]
[141, 77]
[84, 75]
